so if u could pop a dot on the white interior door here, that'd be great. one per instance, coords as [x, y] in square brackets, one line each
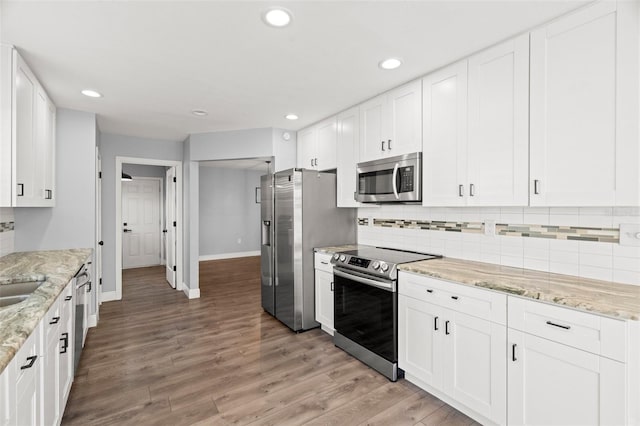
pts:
[140, 223]
[170, 234]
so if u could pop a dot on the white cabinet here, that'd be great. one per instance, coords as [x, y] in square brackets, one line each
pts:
[445, 350]
[26, 366]
[554, 384]
[348, 149]
[27, 141]
[51, 366]
[324, 291]
[567, 367]
[445, 136]
[317, 146]
[475, 123]
[391, 124]
[584, 108]
[67, 324]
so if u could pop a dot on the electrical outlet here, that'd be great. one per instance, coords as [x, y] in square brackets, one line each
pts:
[490, 227]
[630, 234]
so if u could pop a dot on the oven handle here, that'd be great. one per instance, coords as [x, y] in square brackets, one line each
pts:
[354, 276]
[395, 176]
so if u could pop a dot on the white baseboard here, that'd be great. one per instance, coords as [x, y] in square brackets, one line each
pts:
[229, 255]
[93, 321]
[192, 293]
[108, 296]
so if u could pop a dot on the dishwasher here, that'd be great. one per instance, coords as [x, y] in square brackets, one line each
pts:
[83, 288]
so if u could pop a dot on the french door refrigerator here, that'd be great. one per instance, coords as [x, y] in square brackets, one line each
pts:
[303, 216]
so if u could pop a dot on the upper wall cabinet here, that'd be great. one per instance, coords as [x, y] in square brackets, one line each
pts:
[391, 124]
[584, 108]
[348, 146]
[317, 146]
[475, 118]
[27, 136]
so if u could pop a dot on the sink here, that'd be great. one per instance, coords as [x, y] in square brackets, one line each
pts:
[19, 289]
[12, 300]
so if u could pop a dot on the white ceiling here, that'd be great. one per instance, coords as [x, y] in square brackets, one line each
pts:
[155, 61]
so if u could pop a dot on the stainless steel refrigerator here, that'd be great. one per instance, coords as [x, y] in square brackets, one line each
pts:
[299, 213]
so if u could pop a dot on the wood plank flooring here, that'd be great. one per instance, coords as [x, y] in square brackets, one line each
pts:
[158, 358]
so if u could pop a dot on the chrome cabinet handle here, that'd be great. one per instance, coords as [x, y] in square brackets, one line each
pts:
[312, 162]
[461, 190]
[48, 194]
[316, 162]
[472, 189]
[383, 145]
[389, 144]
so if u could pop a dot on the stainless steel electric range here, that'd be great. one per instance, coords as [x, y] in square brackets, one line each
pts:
[366, 304]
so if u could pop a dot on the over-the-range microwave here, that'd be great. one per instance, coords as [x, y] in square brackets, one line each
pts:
[390, 180]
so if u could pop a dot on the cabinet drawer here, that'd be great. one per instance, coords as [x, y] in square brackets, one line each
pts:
[323, 262]
[592, 333]
[479, 303]
[51, 323]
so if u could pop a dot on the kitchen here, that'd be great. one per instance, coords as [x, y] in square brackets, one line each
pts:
[525, 169]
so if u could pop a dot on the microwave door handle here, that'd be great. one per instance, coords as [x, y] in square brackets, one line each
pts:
[395, 181]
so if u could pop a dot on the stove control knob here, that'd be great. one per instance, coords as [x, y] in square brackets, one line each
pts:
[375, 265]
[384, 267]
[343, 258]
[336, 256]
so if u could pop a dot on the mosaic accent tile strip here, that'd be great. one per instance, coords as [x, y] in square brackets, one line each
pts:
[6, 226]
[580, 233]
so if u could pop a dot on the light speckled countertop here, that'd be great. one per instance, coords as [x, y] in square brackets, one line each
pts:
[338, 249]
[18, 321]
[615, 300]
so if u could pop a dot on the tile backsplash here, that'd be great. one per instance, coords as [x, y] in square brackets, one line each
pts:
[573, 241]
[6, 230]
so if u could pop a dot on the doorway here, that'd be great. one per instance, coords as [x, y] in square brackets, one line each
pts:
[148, 218]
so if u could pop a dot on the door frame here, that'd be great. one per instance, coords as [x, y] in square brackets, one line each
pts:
[162, 205]
[118, 216]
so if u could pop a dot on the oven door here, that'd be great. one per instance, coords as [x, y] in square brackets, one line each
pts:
[365, 311]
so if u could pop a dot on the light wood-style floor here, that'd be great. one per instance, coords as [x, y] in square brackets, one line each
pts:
[159, 358]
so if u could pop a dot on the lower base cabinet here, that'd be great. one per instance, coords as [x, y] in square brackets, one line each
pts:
[457, 354]
[324, 291]
[554, 384]
[25, 370]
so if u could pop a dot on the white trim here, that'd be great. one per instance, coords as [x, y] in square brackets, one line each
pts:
[93, 321]
[118, 218]
[192, 293]
[109, 296]
[228, 255]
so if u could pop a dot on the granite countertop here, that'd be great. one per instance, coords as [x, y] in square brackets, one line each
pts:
[620, 301]
[18, 321]
[338, 249]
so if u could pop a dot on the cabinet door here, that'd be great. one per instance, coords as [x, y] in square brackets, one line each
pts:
[325, 158]
[444, 155]
[26, 183]
[324, 299]
[420, 332]
[348, 145]
[554, 384]
[51, 382]
[6, 397]
[49, 155]
[27, 381]
[67, 314]
[582, 137]
[372, 137]
[475, 364]
[498, 146]
[402, 127]
[307, 148]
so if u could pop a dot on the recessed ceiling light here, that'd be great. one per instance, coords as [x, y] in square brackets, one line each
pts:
[199, 112]
[277, 17]
[390, 63]
[291, 117]
[91, 93]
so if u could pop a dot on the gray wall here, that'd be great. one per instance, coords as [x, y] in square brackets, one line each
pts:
[228, 211]
[112, 146]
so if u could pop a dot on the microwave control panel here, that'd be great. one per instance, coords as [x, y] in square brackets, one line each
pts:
[406, 179]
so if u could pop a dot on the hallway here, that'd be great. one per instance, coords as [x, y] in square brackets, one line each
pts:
[158, 358]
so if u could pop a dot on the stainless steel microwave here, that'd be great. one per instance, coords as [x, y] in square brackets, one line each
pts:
[388, 180]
